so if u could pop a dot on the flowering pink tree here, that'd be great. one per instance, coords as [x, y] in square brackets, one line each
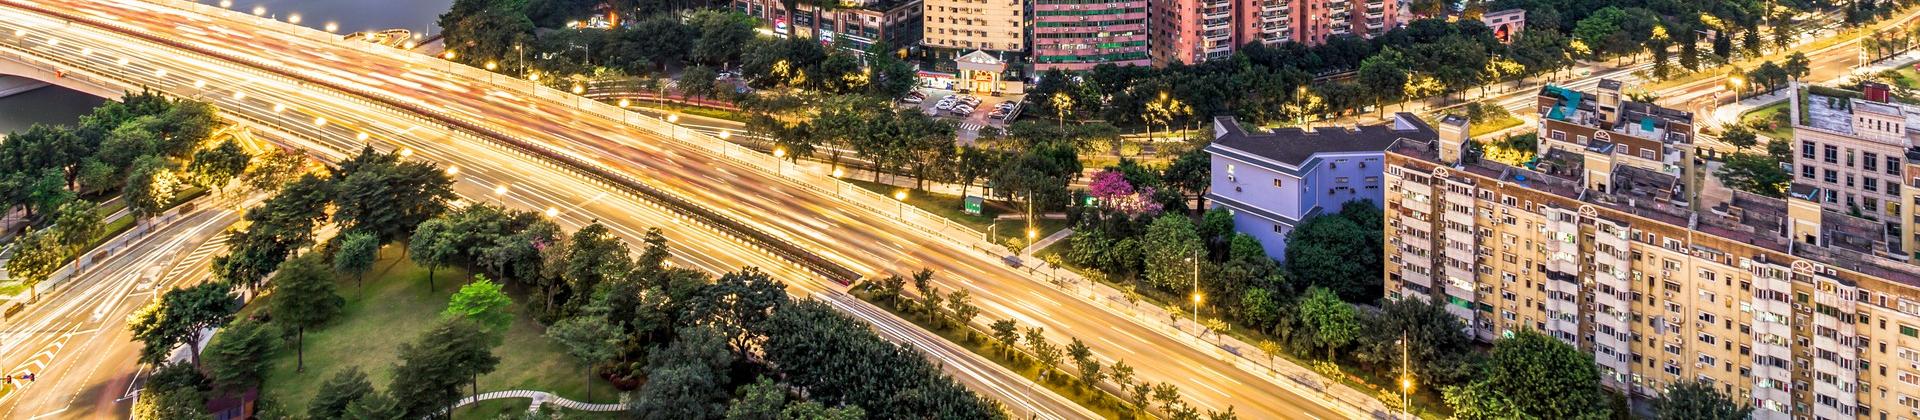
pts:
[1113, 191]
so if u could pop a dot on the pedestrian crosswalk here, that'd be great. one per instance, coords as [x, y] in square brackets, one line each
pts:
[200, 254]
[971, 126]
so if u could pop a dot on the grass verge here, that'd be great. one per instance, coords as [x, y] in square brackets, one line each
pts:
[1427, 402]
[514, 408]
[1059, 382]
[394, 305]
[1765, 125]
[947, 206]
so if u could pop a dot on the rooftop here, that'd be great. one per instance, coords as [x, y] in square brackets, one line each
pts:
[1295, 147]
[1852, 243]
[1638, 119]
[1835, 110]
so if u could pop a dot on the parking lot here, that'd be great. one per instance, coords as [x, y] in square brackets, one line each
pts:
[984, 111]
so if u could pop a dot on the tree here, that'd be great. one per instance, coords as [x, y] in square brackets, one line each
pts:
[1044, 352]
[477, 31]
[178, 317]
[274, 169]
[592, 256]
[722, 36]
[1167, 394]
[173, 392]
[589, 339]
[434, 244]
[213, 167]
[889, 76]
[1122, 374]
[1533, 375]
[1698, 400]
[685, 379]
[75, 225]
[1739, 136]
[761, 400]
[1007, 332]
[431, 369]
[1333, 323]
[356, 255]
[238, 357]
[1754, 173]
[482, 302]
[960, 304]
[376, 406]
[303, 298]
[1083, 358]
[150, 186]
[340, 390]
[698, 82]
[1797, 65]
[1336, 252]
[1172, 246]
[1384, 74]
[386, 196]
[1439, 352]
[37, 255]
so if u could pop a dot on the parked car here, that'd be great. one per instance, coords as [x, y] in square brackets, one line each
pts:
[944, 105]
[997, 115]
[911, 99]
[970, 100]
[962, 109]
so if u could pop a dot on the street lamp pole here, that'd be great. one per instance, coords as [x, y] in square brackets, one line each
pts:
[1406, 379]
[1196, 293]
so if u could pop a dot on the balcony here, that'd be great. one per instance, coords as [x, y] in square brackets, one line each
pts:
[1217, 15]
[1276, 8]
[1273, 20]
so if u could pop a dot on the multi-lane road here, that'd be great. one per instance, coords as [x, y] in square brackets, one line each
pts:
[327, 124]
[76, 341]
[344, 90]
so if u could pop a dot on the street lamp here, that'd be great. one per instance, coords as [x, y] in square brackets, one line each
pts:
[453, 170]
[578, 89]
[320, 121]
[900, 203]
[551, 212]
[1196, 292]
[406, 152]
[449, 55]
[492, 65]
[362, 136]
[674, 120]
[293, 18]
[333, 27]
[623, 103]
[1406, 377]
[500, 189]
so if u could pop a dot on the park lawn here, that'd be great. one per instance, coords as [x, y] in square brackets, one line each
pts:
[1495, 124]
[394, 306]
[1766, 113]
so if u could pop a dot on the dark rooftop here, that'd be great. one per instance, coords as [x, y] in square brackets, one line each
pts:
[1294, 146]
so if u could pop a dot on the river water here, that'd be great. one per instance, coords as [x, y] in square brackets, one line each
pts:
[56, 105]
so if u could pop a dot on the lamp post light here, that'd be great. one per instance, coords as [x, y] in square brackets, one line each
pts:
[674, 120]
[900, 204]
[1195, 259]
[552, 212]
[1406, 377]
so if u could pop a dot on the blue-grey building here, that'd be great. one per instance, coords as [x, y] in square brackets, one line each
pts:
[1271, 180]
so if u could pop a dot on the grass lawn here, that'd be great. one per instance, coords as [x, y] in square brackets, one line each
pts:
[1062, 381]
[1766, 113]
[394, 306]
[1906, 77]
[949, 207]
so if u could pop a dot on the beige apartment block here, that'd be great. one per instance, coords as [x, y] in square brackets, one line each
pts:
[989, 25]
[1854, 147]
[1778, 302]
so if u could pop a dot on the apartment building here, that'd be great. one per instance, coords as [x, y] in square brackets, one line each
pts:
[1780, 303]
[954, 27]
[1194, 31]
[1075, 35]
[1604, 130]
[1854, 147]
[895, 21]
[1272, 180]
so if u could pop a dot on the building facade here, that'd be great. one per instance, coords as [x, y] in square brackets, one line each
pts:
[1194, 31]
[960, 26]
[1506, 24]
[1271, 181]
[1076, 35]
[1779, 303]
[855, 28]
[1854, 146]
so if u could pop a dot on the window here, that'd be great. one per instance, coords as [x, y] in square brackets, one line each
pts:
[1909, 330]
[1870, 184]
[1832, 154]
[1277, 183]
[1557, 135]
[1806, 171]
[1893, 165]
[1806, 150]
[1870, 161]
[1829, 175]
